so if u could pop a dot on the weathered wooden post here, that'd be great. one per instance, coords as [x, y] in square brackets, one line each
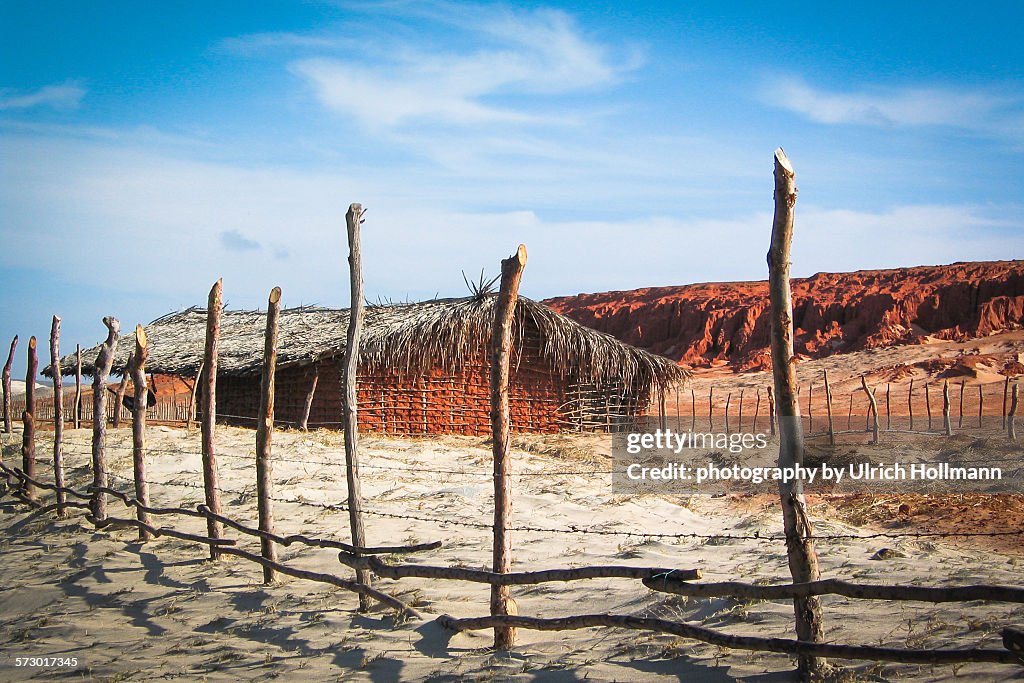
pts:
[711, 409]
[828, 411]
[210, 477]
[693, 409]
[28, 417]
[100, 372]
[888, 411]
[58, 416]
[757, 408]
[7, 385]
[1006, 391]
[960, 419]
[265, 435]
[928, 403]
[771, 410]
[849, 414]
[137, 370]
[981, 405]
[728, 400]
[78, 386]
[873, 409]
[947, 424]
[1011, 427]
[501, 353]
[304, 422]
[350, 409]
[810, 408]
[910, 403]
[803, 560]
[191, 416]
[739, 418]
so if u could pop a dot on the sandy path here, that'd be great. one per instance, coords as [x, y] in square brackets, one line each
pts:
[161, 611]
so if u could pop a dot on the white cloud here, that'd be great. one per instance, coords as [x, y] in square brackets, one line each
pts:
[522, 54]
[64, 96]
[913, 106]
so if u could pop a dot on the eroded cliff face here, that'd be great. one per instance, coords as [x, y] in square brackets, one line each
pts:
[715, 323]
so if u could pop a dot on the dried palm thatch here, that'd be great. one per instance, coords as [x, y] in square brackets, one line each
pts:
[406, 339]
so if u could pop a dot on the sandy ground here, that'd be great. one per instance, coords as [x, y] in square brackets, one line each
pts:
[163, 611]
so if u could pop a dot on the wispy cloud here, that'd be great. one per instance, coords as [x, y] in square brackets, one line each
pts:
[513, 54]
[63, 96]
[233, 240]
[975, 109]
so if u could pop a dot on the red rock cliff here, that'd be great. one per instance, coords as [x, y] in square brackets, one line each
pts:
[833, 312]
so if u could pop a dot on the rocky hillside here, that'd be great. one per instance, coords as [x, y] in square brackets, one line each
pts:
[713, 323]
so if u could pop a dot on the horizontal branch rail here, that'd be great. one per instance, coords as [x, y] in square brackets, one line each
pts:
[158, 531]
[390, 571]
[377, 595]
[679, 586]
[706, 635]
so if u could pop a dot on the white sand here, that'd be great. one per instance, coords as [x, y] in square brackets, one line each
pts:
[160, 610]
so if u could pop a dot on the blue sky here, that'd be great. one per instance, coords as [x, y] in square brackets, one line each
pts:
[147, 149]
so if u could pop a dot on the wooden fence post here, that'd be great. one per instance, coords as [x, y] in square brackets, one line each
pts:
[928, 404]
[910, 403]
[728, 400]
[693, 409]
[960, 419]
[28, 417]
[828, 409]
[803, 560]
[100, 372]
[1006, 391]
[757, 408]
[1011, 428]
[888, 411]
[771, 410]
[849, 414]
[137, 370]
[981, 405]
[501, 353]
[191, 416]
[304, 422]
[265, 436]
[947, 424]
[739, 418]
[873, 409]
[711, 409]
[78, 386]
[58, 416]
[210, 356]
[810, 410]
[353, 221]
[7, 385]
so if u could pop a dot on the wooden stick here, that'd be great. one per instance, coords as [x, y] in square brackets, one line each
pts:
[191, 417]
[771, 410]
[693, 409]
[828, 411]
[947, 424]
[960, 419]
[910, 403]
[58, 415]
[810, 411]
[728, 400]
[137, 370]
[679, 416]
[928, 403]
[981, 404]
[1006, 391]
[888, 411]
[209, 421]
[119, 401]
[78, 386]
[101, 370]
[304, 421]
[803, 649]
[353, 221]
[401, 571]
[757, 408]
[711, 410]
[873, 409]
[28, 418]
[157, 532]
[265, 436]
[1011, 427]
[736, 589]
[849, 414]
[501, 353]
[803, 560]
[6, 387]
[739, 418]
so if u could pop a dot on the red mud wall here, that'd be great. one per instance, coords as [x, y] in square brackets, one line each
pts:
[833, 312]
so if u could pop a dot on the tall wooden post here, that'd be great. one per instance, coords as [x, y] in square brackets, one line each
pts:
[810, 408]
[711, 409]
[728, 400]
[78, 386]
[960, 419]
[28, 417]
[137, 370]
[58, 416]
[210, 479]
[100, 372]
[981, 405]
[910, 403]
[119, 397]
[1006, 391]
[873, 409]
[888, 410]
[304, 422]
[828, 411]
[757, 408]
[928, 404]
[1011, 416]
[771, 410]
[265, 435]
[947, 423]
[350, 408]
[739, 418]
[803, 560]
[191, 416]
[7, 385]
[501, 353]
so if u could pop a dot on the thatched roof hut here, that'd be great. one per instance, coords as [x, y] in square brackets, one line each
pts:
[403, 341]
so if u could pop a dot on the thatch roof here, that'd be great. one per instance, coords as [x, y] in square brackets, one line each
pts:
[407, 338]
